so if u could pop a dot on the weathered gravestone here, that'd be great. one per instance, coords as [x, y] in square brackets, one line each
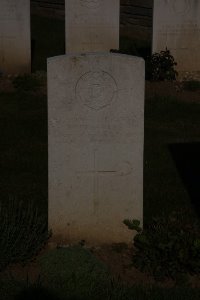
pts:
[91, 25]
[15, 52]
[176, 25]
[96, 115]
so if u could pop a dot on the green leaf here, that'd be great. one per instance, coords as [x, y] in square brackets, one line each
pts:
[133, 224]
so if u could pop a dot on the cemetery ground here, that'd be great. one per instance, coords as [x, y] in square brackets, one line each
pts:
[171, 184]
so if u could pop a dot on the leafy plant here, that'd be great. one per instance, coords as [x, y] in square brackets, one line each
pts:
[168, 247]
[23, 232]
[160, 66]
[133, 225]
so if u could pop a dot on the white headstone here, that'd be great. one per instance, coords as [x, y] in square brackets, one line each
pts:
[96, 115]
[15, 45]
[176, 25]
[91, 25]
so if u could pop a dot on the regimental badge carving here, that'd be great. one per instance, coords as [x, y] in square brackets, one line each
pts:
[91, 3]
[96, 89]
[8, 8]
[181, 7]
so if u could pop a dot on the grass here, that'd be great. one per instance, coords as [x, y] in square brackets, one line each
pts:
[24, 171]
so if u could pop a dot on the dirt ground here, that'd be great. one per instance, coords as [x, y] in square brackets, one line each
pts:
[171, 89]
[118, 260]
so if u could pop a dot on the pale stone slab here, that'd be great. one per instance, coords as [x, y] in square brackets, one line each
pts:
[15, 44]
[176, 25]
[95, 119]
[91, 25]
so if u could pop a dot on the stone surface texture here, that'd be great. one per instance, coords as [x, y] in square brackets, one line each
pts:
[135, 15]
[95, 121]
[176, 25]
[15, 40]
[91, 25]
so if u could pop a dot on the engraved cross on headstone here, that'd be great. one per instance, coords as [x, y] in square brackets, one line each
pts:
[122, 169]
[95, 173]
